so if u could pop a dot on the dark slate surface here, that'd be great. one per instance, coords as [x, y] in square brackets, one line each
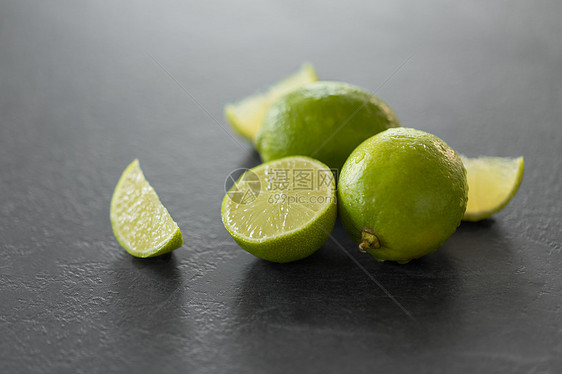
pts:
[87, 86]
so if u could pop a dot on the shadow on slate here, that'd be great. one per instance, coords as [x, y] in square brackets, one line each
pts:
[150, 293]
[328, 290]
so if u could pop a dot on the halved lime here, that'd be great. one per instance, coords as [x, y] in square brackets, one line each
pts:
[246, 116]
[141, 224]
[291, 210]
[492, 183]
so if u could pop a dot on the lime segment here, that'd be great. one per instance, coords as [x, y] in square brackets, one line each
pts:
[492, 183]
[140, 222]
[289, 216]
[247, 115]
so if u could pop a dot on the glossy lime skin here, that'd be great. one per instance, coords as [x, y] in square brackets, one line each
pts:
[405, 186]
[323, 120]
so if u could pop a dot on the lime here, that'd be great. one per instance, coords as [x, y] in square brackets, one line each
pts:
[401, 194]
[324, 120]
[140, 222]
[282, 211]
[492, 183]
[246, 116]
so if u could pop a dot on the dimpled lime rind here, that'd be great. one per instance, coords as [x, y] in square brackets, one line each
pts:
[282, 232]
[324, 120]
[408, 188]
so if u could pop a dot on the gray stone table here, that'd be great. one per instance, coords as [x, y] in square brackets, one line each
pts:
[87, 86]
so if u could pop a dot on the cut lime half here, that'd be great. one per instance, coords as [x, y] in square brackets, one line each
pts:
[246, 116]
[141, 224]
[492, 183]
[282, 211]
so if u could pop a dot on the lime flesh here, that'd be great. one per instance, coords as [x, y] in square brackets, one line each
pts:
[141, 224]
[246, 116]
[492, 182]
[289, 216]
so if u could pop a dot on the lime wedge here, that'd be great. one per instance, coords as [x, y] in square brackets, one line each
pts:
[141, 224]
[246, 116]
[492, 183]
[283, 210]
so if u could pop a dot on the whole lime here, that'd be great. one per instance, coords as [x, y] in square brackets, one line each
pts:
[323, 120]
[401, 194]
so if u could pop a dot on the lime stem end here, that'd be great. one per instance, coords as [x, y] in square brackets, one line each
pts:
[369, 241]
